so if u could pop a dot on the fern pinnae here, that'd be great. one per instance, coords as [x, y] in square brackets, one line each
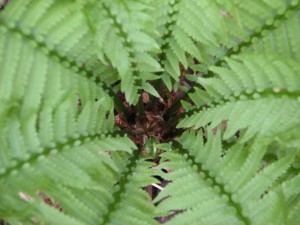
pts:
[60, 141]
[5, 69]
[61, 63]
[271, 42]
[180, 33]
[215, 189]
[264, 85]
[68, 194]
[254, 188]
[123, 54]
[208, 157]
[241, 119]
[34, 99]
[129, 185]
[17, 142]
[88, 214]
[236, 193]
[17, 165]
[32, 16]
[232, 161]
[54, 216]
[59, 126]
[290, 187]
[82, 181]
[242, 38]
[37, 32]
[210, 19]
[273, 205]
[124, 143]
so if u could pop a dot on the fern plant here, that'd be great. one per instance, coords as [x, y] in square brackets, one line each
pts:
[149, 112]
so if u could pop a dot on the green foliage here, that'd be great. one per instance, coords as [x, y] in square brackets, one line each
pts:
[237, 162]
[233, 189]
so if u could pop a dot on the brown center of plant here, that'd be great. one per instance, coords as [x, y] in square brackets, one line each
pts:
[151, 117]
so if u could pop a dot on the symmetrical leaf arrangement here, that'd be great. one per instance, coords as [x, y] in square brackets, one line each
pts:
[62, 159]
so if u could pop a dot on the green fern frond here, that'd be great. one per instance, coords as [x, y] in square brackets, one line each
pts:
[265, 89]
[208, 189]
[131, 204]
[233, 158]
[120, 200]
[244, 18]
[40, 117]
[283, 41]
[84, 190]
[247, 21]
[183, 28]
[131, 42]
[58, 27]
[54, 119]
